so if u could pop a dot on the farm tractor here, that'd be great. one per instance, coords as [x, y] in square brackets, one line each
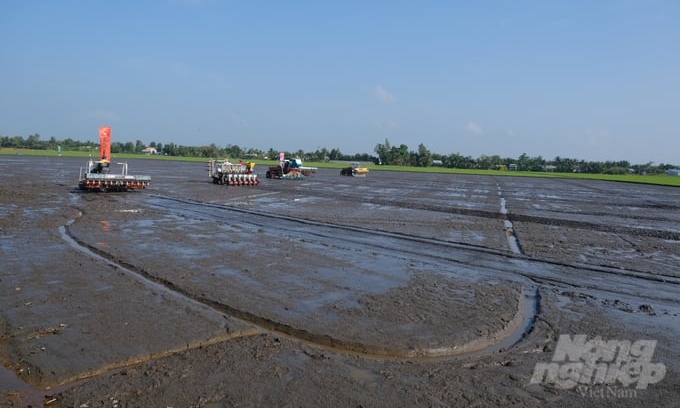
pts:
[354, 170]
[97, 175]
[231, 174]
[289, 170]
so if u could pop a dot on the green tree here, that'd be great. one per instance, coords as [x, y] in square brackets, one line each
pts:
[424, 156]
[234, 151]
[272, 154]
[400, 155]
[335, 154]
[384, 152]
[458, 161]
[32, 141]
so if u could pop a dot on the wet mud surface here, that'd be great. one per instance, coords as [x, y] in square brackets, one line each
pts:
[395, 289]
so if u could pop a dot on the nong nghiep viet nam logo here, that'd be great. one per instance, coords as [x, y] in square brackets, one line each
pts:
[578, 361]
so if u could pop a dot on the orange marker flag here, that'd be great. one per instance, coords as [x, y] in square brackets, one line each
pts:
[105, 143]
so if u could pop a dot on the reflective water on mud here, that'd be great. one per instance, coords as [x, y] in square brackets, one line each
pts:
[394, 266]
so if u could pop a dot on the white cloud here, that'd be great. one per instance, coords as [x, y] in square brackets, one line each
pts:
[383, 94]
[474, 128]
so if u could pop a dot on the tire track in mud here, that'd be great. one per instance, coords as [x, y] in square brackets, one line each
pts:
[605, 199]
[532, 307]
[509, 215]
[604, 193]
[538, 271]
[33, 395]
[582, 276]
[621, 232]
[594, 280]
[643, 232]
[513, 332]
[436, 252]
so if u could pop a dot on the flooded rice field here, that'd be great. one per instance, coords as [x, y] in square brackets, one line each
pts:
[394, 289]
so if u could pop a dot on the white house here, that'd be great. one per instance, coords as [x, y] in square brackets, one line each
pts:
[150, 150]
[673, 172]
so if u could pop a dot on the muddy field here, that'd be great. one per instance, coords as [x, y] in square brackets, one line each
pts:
[395, 289]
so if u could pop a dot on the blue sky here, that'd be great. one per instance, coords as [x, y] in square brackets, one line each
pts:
[594, 80]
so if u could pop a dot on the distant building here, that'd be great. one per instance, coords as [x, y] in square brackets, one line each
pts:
[512, 166]
[673, 172]
[150, 150]
[437, 162]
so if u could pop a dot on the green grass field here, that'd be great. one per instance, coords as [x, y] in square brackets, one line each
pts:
[664, 179]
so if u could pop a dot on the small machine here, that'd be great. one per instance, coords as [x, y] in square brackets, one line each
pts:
[289, 169]
[355, 170]
[97, 175]
[230, 174]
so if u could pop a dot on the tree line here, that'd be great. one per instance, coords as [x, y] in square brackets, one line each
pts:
[385, 154]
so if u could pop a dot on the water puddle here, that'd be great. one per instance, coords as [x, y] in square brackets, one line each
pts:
[24, 394]
[529, 308]
[513, 243]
